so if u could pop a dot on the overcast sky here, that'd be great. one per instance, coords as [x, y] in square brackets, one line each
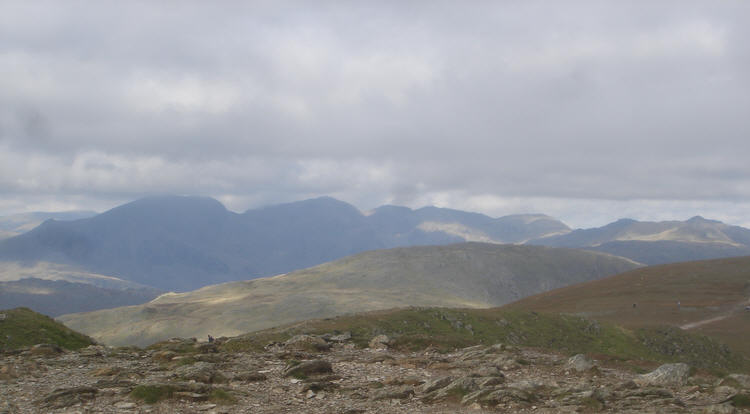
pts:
[585, 110]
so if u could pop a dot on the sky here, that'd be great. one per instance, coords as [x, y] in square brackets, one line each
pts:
[588, 111]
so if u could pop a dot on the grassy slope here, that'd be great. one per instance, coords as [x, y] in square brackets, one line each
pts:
[706, 290]
[23, 327]
[463, 275]
[445, 329]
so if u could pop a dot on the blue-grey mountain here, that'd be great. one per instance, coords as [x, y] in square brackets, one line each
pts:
[659, 242]
[182, 243]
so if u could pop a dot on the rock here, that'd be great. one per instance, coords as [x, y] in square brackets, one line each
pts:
[648, 393]
[667, 374]
[307, 343]
[435, 384]
[504, 396]
[455, 391]
[125, 405]
[342, 337]
[190, 396]
[397, 394]
[579, 363]
[250, 376]
[490, 381]
[45, 350]
[380, 342]
[204, 372]
[65, 397]
[742, 380]
[304, 369]
[724, 393]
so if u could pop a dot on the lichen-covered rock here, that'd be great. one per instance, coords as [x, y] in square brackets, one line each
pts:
[741, 380]
[65, 397]
[341, 337]
[435, 384]
[666, 375]
[580, 363]
[455, 391]
[393, 394]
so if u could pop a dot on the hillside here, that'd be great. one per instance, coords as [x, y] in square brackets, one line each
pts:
[659, 242]
[406, 361]
[22, 327]
[464, 275]
[57, 297]
[706, 297]
[183, 243]
[16, 224]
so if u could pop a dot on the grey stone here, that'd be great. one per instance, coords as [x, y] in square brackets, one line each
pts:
[580, 363]
[667, 374]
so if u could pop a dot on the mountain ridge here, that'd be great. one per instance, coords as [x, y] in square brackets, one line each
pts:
[182, 243]
[476, 275]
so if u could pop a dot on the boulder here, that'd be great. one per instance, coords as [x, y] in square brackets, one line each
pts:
[435, 384]
[741, 380]
[65, 397]
[579, 363]
[455, 391]
[667, 374]
[380, 342]
[393, 394]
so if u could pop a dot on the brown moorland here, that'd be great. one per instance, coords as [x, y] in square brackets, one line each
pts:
[707, 297]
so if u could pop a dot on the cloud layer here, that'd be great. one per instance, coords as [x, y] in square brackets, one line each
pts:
[500, 107]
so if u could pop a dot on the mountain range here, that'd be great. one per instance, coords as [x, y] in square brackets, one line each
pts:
[469, 275]
[662, 242]
[183, 243]
[176, 243]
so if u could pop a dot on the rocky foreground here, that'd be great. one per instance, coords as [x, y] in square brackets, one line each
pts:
[328, 374]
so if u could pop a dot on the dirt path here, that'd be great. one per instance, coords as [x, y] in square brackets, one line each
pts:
[737, 308]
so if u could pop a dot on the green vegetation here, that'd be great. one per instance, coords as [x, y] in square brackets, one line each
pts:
[741, 400]
[22, 327]
[448, 329]
[221, 397]
[151, 394]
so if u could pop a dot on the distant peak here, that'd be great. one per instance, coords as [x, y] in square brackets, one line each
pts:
[700, 219]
